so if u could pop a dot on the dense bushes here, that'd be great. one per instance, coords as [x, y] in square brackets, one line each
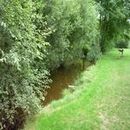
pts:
[35, 37]
[113, 21]
[21, 79]
[122, 44]
[94, 53]
[75, 26]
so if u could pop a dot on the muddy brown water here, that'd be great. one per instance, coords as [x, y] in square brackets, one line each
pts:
[61, 79]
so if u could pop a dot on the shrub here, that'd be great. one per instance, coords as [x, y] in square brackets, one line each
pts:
[94, 53]
[75, 26]
[23, 73]
[122, 44]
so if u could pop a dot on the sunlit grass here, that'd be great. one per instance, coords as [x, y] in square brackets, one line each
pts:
[101, 100]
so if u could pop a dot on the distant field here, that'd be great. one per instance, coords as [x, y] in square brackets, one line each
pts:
[100, 102]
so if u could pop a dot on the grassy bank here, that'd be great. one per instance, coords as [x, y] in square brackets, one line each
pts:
[100, 102]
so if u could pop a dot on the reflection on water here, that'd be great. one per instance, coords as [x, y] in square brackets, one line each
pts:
[62, 77]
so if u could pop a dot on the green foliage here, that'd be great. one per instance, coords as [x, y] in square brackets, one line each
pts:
[94, 54]
[36, 36]
[122, 44]
[74, 26]
[39, 36]
[21, 80]
[113, 21]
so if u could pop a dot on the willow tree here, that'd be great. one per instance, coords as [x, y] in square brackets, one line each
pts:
[113, 20]
[75, 26]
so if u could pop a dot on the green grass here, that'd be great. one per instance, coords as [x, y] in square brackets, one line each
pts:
[100, 102]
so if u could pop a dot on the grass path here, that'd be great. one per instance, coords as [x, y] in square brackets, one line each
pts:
[102, 104]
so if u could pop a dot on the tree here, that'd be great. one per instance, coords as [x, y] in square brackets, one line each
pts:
[35, 38]
[75, 26]
[113, 20]
[21, 80]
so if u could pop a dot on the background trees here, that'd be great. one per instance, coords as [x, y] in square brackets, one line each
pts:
[74, 25]
[113, 21]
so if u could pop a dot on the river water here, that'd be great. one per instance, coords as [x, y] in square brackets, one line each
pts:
[62, 78]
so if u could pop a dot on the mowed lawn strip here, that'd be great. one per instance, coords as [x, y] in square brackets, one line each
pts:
[102, 104]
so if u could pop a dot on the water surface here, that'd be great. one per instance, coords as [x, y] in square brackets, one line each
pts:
[62, 78]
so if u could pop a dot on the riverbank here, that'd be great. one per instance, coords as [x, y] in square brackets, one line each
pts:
[61, 79]
[100, 101]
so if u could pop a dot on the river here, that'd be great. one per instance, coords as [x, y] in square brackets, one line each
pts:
[62, 78]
